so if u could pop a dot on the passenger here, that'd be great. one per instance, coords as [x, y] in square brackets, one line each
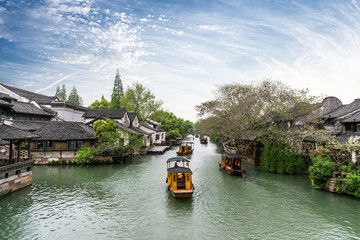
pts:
[176, 165]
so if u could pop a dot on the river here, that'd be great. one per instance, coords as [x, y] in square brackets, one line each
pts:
[131, 201]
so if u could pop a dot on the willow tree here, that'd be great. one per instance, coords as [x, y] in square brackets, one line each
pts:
[267, 110]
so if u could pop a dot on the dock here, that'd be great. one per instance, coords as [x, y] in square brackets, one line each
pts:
[158, 149]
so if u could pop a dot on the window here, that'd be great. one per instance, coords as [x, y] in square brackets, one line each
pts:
[71, 145]
[48, 144]
[358, 127]
[79, 144]
[157, 137]
[39, 144]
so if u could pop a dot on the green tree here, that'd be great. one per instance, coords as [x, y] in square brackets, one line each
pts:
[74, 97]
[140, 100]
[270, 110]
[103, 104]
[61, 93]
[117, 93]
[57, 94]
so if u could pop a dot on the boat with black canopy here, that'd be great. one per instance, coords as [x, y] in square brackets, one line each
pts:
[233, 164]
[187, 147]
[179, 177]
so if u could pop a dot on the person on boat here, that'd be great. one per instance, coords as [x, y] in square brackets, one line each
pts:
[237, 164]
[176, 165]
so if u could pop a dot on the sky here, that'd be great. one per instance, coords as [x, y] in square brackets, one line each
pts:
[180, 49]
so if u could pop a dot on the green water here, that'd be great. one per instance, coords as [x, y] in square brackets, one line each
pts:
[131, 201]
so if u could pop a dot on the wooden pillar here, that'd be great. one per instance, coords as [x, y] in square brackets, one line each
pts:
[10, 153]
[254, 151]
[28, 149]
[18, 151]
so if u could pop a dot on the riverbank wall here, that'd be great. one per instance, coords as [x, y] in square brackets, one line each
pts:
[15, 182]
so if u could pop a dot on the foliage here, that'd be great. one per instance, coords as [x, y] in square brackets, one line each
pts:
[111, 140]
[278, 159]
[24, 145]
[103, 104]
[174, 126]
[85, 155]
[117, 93]
[74, 97]
[140, 100]
[352, 184]
[173, 134]
[320, 171]
[61, 94]
[268, 110]
[101, 128]
[323, 152]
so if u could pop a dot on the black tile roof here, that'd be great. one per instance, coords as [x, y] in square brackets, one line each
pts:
[132, 117]
[12, 133]
[29, 125]
[65, 131]
[345, 109]
[109, 113]
[28, 108]
[144, 124]
[4, 103]
[352, 118]
[42, 99]
[346, 136]
[6, 96]
[68, 105]
[131, 129]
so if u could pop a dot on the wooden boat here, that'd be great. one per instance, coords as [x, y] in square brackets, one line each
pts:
[203, 140]
[179, 177]
[187, 147]
[232, 164]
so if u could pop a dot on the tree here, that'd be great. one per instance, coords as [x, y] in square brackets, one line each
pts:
[103, 104]
[140, 100]
[175, 127]
[117, 93]
[61, 94]
[269, 110]
[74, 97]
[57, 94]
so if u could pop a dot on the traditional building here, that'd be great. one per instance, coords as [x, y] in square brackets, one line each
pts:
[59, 141]
[15, 159]
[158, 136]
[125, 121]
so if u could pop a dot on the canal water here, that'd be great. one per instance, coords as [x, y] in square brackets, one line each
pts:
[131, 201]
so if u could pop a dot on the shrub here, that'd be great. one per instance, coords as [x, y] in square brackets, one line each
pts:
[320, 171]
[85, 155]
[278, 159]
[352, 184]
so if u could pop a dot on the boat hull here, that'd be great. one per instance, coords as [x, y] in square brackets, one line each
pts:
[182, 193]
[183, 153]
[231, 171]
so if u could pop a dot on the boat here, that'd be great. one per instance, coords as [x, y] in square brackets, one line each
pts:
[187, 147]
[233, 164]
[203, 140]
[179, 177]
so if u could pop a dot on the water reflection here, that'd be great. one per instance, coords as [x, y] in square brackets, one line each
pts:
[131, 201]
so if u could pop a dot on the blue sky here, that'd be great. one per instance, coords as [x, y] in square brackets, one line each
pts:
[180, 50]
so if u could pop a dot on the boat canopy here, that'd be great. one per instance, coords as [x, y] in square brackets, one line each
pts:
[188, 142]
[177, 159]
[231, 155]
[179, 170]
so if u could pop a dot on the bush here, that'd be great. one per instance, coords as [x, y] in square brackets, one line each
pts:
[352, 184]
[85, 155]
[276, 158]
[320, 171]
